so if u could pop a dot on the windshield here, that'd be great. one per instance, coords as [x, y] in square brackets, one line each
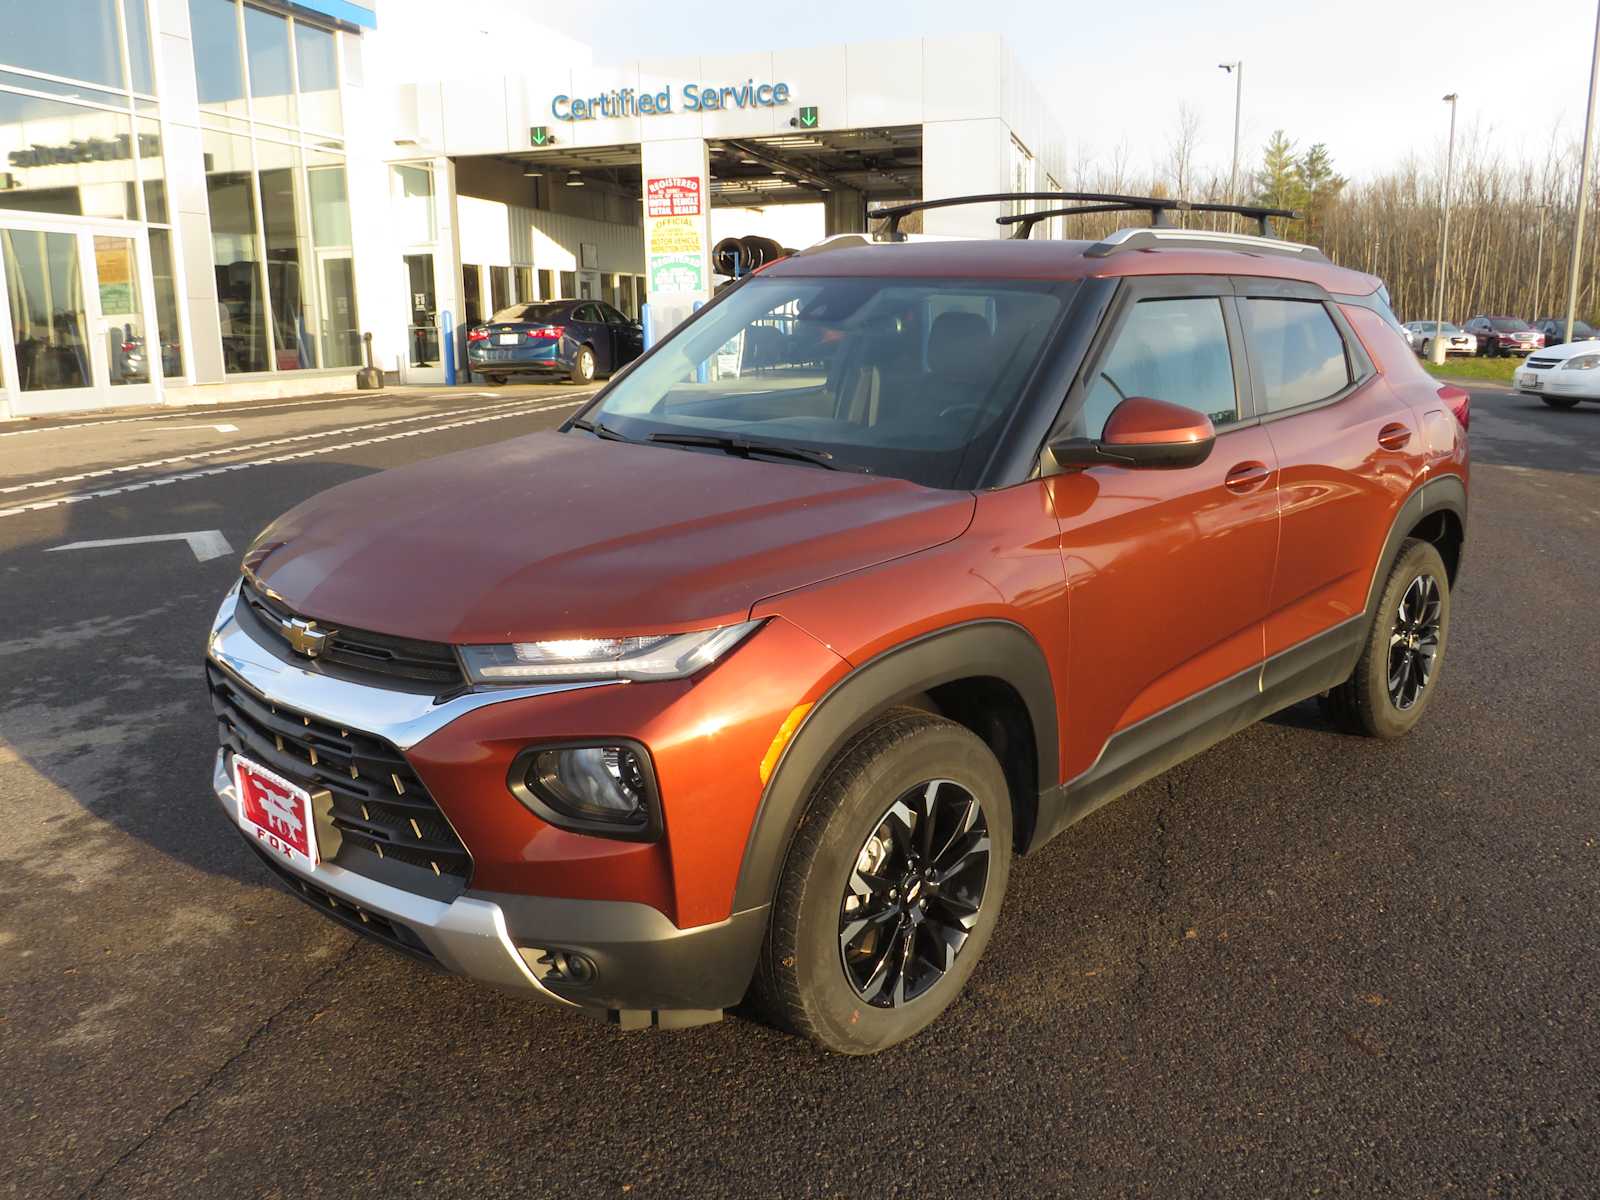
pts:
[1509, 325]
[539, 313]
[913, 378]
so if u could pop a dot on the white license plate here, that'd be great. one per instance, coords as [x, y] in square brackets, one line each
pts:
[508, 339]
[1532, 383]
[276, 813]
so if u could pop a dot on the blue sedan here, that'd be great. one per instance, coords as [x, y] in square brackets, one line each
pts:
[578, 339]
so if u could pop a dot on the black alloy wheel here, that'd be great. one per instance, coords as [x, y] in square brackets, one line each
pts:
[1414, 641]
[914, 896]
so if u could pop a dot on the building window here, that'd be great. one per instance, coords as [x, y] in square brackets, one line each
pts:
[266, 43]
[214, 35]
[316, 59]
[524, 277]
[499, 289]
[569, 285]
[79, 39]
[236, 252]
[547, 285]
[413, 201]
[67, 158]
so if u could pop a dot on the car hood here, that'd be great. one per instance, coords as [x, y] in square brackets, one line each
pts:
[1565, 350]
[564, 535]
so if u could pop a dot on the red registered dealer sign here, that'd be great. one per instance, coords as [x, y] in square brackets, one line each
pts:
[673, 196]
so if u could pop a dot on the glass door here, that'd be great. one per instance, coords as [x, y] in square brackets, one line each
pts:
[74, 331]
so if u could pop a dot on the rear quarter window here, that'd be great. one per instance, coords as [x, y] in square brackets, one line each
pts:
[1296, 351]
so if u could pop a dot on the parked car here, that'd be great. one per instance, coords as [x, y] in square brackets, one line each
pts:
[752, 682]
[1563, 375]
[580, 339]
[1504, 335]
[1555, 330]
[1457, 340]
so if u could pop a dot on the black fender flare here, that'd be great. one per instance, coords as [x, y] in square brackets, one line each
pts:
[994, 649]
[1446, 493]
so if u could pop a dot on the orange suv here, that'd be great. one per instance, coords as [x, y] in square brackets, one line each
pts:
[892, 563]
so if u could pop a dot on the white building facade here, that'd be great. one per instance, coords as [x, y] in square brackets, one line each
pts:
[212, 199]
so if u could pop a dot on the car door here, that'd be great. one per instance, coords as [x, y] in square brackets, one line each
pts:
[1168, 570]
[627, 342]
[1348, 450]
[593, 331]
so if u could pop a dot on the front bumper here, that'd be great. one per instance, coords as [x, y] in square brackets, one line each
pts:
[646, 970]
[1550, 383]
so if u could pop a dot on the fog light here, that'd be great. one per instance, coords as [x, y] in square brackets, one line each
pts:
[606, 788]
[559, 966]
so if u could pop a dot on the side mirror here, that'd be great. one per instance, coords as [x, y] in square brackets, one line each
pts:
[1141, 432]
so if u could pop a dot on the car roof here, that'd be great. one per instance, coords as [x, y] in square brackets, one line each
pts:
[1059, 260]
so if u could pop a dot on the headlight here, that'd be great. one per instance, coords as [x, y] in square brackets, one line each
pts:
[661, 656]
[606, 787]
[1582, 362]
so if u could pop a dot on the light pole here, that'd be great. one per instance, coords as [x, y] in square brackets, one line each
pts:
[1436, 347]
[1236, 69]
[1583, 183]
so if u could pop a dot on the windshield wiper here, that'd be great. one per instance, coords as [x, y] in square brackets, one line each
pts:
[599, 429]
[744, 448]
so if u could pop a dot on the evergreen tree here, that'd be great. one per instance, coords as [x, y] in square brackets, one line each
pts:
[1319, 186]
[1278, 183]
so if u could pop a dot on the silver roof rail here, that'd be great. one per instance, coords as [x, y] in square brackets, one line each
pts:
[1200, 239]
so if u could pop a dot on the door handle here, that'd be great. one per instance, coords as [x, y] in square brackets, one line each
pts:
[1394, 437]
[1246, 477]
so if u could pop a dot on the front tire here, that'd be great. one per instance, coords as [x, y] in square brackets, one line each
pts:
[892, 886]
[1398, 671]
[1559, 401]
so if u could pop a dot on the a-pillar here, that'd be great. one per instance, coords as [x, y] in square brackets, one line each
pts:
[677, 229]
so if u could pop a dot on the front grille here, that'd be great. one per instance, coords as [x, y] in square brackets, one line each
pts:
[1541, 364]
[363, 921]
[391, 829]
[362, 653]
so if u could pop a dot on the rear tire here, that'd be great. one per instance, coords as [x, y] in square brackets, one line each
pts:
[892, 886]
[583, 366]
[496, 380]
[1559, 401]
[1398, 671]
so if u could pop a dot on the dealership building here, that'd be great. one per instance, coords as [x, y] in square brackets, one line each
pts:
[211, 199]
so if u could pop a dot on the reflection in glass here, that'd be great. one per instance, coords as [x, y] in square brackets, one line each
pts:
[152, 169]
[236, 252]
[63, 158]
[47, 311]
[266, 41]
[122, 332]
[138, 45]
[214, 30]
[288, 254]
[74, 38]
[424, 333]
[318, 66]
[166, 289]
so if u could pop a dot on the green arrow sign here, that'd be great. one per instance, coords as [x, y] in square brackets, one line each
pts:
[808, 117]
[539, 135]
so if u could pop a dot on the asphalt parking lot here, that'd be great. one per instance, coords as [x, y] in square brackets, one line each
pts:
[1300, 963]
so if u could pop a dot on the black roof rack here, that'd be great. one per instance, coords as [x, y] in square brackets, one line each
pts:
[1157, 206]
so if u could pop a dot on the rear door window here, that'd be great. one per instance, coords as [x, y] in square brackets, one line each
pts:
[1174, 350]
[1296, 351]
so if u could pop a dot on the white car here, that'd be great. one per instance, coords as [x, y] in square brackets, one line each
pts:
[1561, 375]
[1458, 341]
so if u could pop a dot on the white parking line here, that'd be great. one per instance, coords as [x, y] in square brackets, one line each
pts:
[217, 451]
[207, 472]
[245, 410]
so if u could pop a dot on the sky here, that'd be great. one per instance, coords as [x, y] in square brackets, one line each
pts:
[1363, 76]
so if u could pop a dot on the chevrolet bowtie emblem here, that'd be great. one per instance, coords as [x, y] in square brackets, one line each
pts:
[305, 638]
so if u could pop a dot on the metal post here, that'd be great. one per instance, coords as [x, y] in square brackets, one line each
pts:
[1236, 69]
[1436, 347]
[1583, 182]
